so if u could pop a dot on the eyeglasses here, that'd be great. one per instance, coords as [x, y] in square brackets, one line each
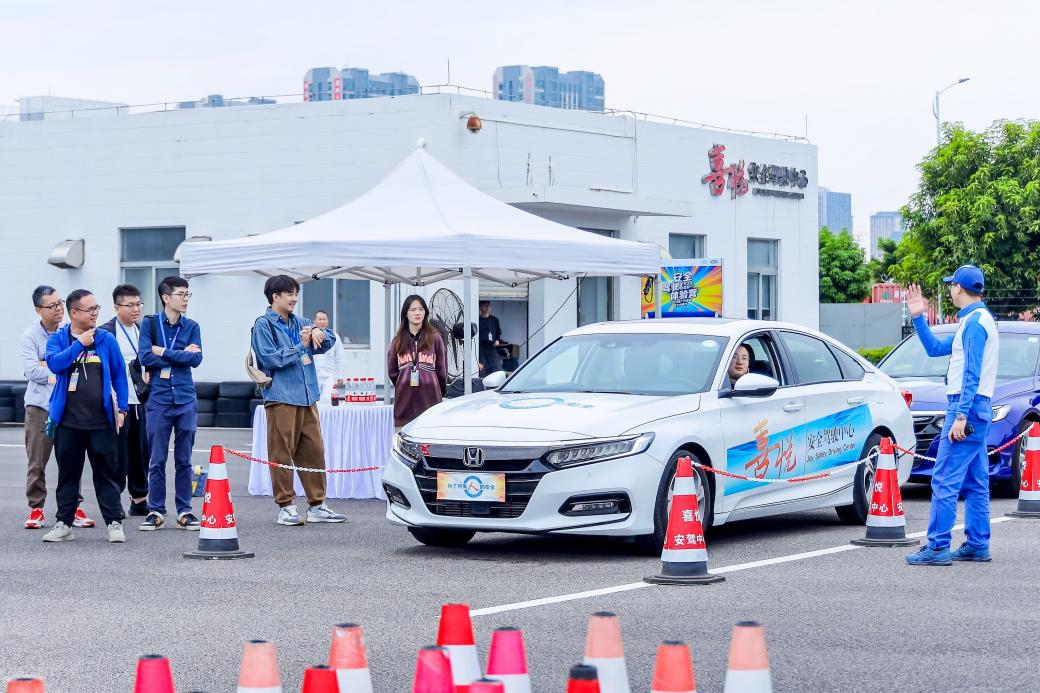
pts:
[92, 311]
[131, 306]
[54, 306]
[182, 294]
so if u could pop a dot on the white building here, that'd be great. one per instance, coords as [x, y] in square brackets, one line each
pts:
[133, 188]
[63, 108]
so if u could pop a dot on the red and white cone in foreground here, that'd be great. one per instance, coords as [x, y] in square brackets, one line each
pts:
[583, 679]
[25, 684]
[1029, 486]
[218, 534]
[320, 679]
[487, 686]
[153, 675]
[456, 635]
[673, 670]
[259, 670]
[348, 657]
[748, 669]
[507, 661]
[684, 558]
[604, 650]
[433, 671]
[886, 524]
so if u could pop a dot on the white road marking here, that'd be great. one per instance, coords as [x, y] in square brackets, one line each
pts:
[516, 606]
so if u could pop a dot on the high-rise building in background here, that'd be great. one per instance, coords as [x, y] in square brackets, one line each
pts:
[835, 210]
[885, 225]
[547, 86]
[334, 84]
[218, 101]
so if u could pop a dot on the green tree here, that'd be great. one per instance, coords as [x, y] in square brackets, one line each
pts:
[978, 202]
[881, 268]
[844, 276]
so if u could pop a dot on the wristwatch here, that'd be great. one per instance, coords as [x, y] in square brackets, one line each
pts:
[961, 417]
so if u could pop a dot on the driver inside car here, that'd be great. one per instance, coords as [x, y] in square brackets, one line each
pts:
[739, 364]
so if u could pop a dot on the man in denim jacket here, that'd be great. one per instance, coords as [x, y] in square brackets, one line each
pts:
[285, 346]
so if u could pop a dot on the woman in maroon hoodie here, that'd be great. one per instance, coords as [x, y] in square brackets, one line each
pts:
[416, 363]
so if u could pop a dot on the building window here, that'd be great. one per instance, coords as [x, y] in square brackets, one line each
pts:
[146, 256]
[685, 246]
[762, 279]
[347, 301]
[596, 294]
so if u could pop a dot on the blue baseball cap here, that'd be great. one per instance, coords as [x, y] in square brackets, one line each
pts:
[968, 277]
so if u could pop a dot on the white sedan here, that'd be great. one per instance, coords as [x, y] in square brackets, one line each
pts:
[584, 437]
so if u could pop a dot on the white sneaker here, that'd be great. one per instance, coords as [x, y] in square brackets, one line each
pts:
[116, 535]
[61, 532]
[323, 513]
[289, 516]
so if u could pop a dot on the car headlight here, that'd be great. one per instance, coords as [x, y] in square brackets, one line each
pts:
[1000, 413]
[409, 451]
[599, 451]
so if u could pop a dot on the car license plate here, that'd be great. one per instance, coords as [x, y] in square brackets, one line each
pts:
[470, 486]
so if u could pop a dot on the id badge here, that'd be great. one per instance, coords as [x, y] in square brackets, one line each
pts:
[414, 378]
[306, 359]
[73, 381]
[165, 373]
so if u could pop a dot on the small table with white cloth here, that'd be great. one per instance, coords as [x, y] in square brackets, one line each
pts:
[355, 436]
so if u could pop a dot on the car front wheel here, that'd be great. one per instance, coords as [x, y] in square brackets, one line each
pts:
[652, 543]
[433, 536]
[862, 486]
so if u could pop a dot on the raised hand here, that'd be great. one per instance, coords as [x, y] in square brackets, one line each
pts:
[916, 303]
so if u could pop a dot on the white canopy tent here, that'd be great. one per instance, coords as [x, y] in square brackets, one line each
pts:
[422, 224]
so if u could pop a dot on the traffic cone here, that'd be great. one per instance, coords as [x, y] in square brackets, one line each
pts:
[603, 650]
[259, 670]
[486, 686]
[25, 684]
[153, 675]
[348, 657]
[684, 558]
[433, 671]
[583, 679]
[507, 661]
[320, 679]
[673, 670]
[218, 535]
[456, 635]
[886, 524]
[1029, 487]
[748, 669]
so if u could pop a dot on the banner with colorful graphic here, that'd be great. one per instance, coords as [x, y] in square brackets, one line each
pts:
[648, 291]
[692, 289]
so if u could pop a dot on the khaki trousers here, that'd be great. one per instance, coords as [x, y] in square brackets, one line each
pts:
[38, 448]
[294, 437]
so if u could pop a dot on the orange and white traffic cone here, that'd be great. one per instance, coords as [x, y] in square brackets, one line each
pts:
[487, 686]
[673, 670]
[433, 671]
[507, 661]
[684, 558]
[153, 675]
[348, 657]
[320, 679]
[583, 679]
[218, 533]
[748, 669]
[604, 650]
[259, 670]
[455, 634]
[25, 684]
[886, 524]
[1029, 486]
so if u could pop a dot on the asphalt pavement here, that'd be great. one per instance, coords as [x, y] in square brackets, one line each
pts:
[861, 620]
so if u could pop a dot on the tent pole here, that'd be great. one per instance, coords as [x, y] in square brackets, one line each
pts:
[658, 310]
[389, 310]
[467, 340]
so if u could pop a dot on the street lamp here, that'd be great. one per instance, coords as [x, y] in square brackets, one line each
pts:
[935, 108]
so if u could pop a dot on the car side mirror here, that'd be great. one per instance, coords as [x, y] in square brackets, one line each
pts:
[752, 385]
[495, 380]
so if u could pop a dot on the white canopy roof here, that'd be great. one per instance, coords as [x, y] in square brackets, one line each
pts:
[423, 223]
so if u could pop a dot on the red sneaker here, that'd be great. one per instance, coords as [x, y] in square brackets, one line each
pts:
[35, 519]
[81, 519]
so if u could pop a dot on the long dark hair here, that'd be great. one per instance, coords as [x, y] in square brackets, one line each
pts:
[402, 342]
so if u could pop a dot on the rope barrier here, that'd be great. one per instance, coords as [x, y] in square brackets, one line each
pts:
[293, 467]
[994, 451]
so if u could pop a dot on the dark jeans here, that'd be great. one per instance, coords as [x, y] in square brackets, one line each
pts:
[164, 420]
[134, 453]
[71, 447]
[491, 359]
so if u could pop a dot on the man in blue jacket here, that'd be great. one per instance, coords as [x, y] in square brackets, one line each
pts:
[87, 409]
[962, 464]
[170, 346]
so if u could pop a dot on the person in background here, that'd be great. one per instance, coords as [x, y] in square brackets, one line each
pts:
[39, 385]
[285, 346]
[331, 365]
[170, 346]
[134, 452]
[416, 363]
[87, 409]
[739, 364]
[490, 339]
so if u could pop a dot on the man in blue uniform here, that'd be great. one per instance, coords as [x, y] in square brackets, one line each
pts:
[962, 465]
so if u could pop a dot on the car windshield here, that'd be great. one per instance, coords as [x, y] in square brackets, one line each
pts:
[1016, 358]
[637, 364]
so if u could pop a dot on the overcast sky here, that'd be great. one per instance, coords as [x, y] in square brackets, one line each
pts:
[861, 74]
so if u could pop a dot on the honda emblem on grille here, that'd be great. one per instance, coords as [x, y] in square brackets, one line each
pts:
[473, 457]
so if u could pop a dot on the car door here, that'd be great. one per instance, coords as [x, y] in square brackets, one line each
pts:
[761, 433]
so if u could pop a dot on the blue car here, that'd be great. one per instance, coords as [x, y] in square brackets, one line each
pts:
[1016, 401]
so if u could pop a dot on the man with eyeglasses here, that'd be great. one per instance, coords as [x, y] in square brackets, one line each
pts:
[170, 346]
[40, 383]
[87, 409]
[134, 453]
